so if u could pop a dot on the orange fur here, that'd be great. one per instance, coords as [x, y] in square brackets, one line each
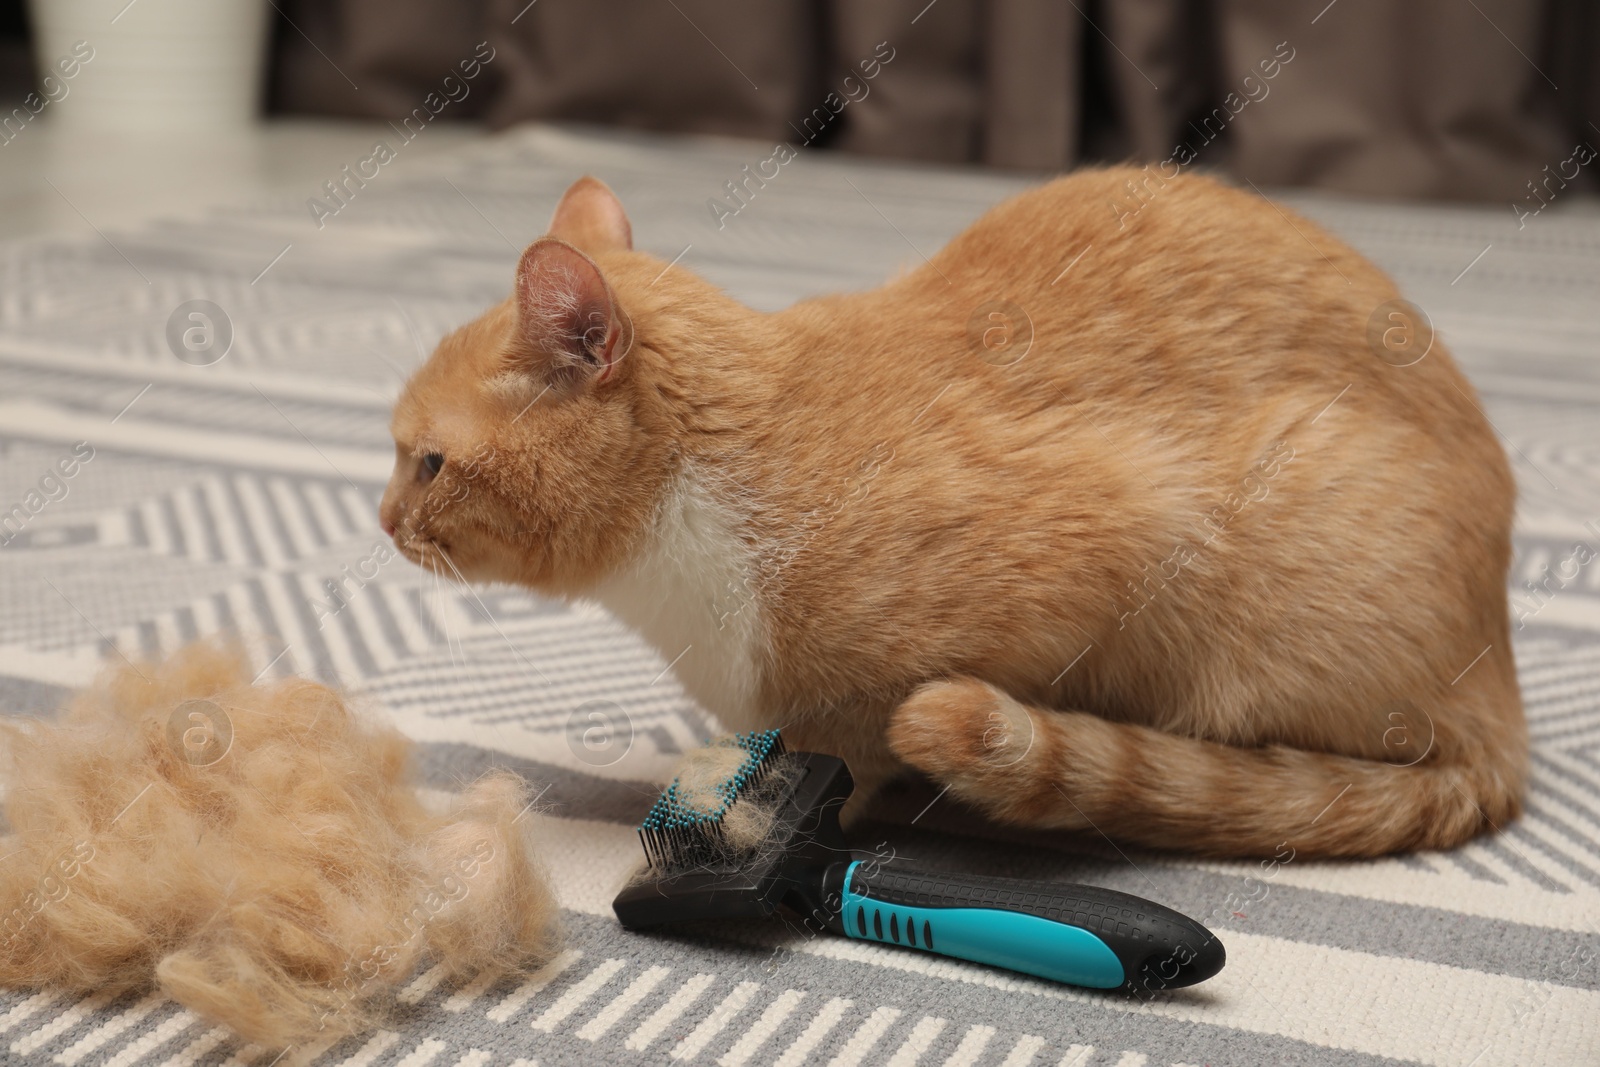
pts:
[1221, 559]
[282, 885]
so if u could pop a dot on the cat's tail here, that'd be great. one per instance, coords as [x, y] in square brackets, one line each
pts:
[1062, 769]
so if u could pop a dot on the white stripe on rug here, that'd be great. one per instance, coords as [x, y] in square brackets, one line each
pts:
[61, 1024]
[917, 1042]
[463, 998]
[824, 1021]
[775, 1015]
[973, 1042]
[37, 1002]
[376, 1046]
[423, 984]
[1450, 890]
[572, 999]
[423, 1054]
[157, 1036]
[624, 1002]
[867, 1035]
[716, 1022]
[60, 355]
[43, 421]
[1023, 1052]
[668, 1013]
[197, 1048]
[514, 1000]
[73, 1054]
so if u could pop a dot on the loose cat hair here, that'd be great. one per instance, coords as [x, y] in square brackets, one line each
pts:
[256, 852]
[1192, 563]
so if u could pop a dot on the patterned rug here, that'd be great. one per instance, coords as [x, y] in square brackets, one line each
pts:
[229, 488]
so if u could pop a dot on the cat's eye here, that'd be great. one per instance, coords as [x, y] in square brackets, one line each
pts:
[432, 464]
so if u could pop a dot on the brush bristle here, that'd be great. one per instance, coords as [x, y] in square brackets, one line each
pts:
[686, 826]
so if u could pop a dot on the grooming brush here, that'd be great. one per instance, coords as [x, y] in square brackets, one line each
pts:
[748, 826]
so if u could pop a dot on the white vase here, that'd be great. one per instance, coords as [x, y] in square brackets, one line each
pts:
[158, 66]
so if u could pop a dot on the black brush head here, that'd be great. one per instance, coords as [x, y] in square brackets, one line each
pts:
[686, 827]
[693, 873]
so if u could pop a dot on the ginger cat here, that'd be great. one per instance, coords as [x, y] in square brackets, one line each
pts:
[1184, 561]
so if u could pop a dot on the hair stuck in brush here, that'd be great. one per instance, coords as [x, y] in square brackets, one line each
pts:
[256, 852]
[728, 808]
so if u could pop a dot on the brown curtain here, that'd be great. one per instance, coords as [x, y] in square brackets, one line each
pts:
[1414, 98]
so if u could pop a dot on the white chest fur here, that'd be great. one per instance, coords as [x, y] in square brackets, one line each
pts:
[688, 592]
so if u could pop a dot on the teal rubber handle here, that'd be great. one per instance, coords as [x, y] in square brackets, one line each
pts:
[999, 937]
[1082, 934]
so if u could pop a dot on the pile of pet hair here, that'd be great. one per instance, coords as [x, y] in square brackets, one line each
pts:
[255, 851]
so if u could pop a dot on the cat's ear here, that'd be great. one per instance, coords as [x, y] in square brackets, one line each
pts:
[568, 324]
[590, 217]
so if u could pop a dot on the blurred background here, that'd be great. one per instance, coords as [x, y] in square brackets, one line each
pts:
[1474, 100]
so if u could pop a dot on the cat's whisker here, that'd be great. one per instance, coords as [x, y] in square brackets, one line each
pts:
[381, 358]
[416, 334]
[489, 616]
[445, 586]
[442, 614]
[437, 625]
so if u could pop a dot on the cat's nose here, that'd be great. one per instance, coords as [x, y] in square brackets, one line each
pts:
[388, 527]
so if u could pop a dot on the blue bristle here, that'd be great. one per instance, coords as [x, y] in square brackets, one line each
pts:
[675, 834]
